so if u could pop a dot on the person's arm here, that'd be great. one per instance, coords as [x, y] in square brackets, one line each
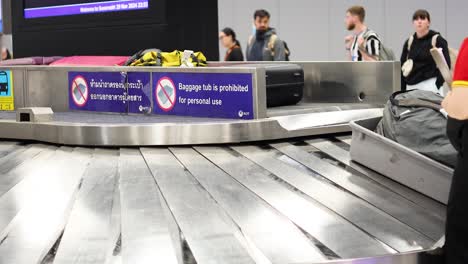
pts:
[280, 50]
[404, 57]
[455, 102]
[370, 49]
[348, 45]
[367, 57]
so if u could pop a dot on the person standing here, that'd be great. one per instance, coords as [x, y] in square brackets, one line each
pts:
[363, 44]
[228, 39]
[419, 70]
[265, 45]
[456, 105]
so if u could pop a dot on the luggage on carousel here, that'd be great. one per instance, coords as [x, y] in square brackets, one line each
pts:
[30, 61]
[414, 119]
[91, 61]
[284, 84]
[155, 57]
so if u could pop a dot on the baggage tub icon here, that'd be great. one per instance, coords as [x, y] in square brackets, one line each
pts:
[4, 83]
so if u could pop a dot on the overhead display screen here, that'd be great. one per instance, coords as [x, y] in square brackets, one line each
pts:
[53, 8]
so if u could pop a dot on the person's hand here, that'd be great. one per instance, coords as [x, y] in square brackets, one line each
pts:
[446, 100]
[455, 103]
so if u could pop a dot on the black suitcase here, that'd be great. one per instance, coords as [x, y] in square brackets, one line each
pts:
[284, 84]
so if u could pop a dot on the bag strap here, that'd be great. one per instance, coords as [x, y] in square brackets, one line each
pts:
[251, 39]
[410, 43]
[368, 33]
[271, 44]
[434, 40]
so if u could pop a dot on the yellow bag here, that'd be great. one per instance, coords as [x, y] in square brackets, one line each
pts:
[198, 59]
[168, 59]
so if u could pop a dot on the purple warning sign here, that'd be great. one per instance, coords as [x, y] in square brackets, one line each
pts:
[216, 95]
[116, 92]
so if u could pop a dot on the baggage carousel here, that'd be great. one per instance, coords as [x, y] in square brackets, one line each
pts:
[294, 201]
[80, 187]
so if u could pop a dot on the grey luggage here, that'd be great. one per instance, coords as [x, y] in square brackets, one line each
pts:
[414, 120]
[398, 162]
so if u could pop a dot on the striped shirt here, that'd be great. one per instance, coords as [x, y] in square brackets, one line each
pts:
[372, 45]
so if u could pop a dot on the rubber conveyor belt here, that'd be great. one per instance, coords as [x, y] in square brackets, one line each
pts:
[283, 202]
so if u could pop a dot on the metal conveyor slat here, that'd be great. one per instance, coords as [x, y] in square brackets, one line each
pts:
[39, 224]
[344, 157]
[274, 235]
[382, 226]
[145, 233]
[212, 237]
[375, 194]
[342, 237]
[88, 235]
